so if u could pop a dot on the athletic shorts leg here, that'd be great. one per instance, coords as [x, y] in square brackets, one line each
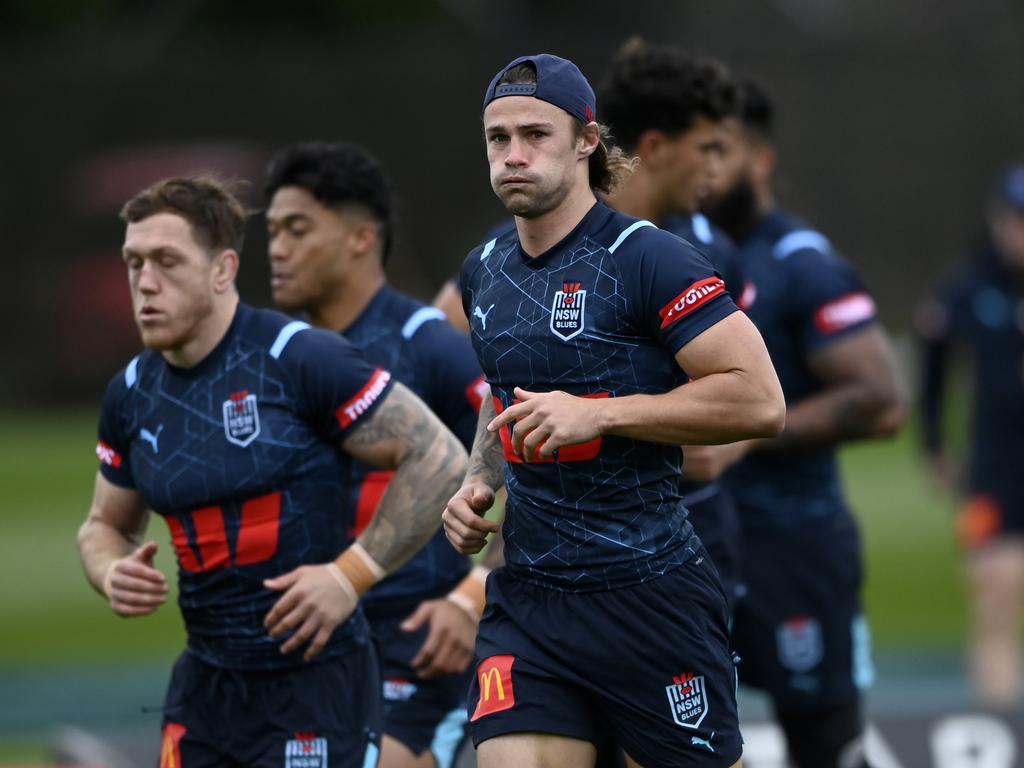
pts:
[650, 662]
[799, 629]
[421, 714]
[326, 713]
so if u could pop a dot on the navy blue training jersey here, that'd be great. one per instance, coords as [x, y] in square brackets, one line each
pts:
[981, 307]
[802, 296]
[420, 349]
[240, 454]
[600, 314]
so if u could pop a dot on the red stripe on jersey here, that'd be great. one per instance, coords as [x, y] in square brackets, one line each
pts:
[371, 491]
[108, 455]
[257, 536]
[210, 536]
[846, 311]
[186, 557]
[477, 391]
[575, 452]
[358, 404]
[696, 295]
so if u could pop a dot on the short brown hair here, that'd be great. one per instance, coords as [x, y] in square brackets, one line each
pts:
[216, 215]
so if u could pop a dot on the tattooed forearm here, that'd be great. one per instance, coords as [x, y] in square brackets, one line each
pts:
[429, 466]
[487, 459]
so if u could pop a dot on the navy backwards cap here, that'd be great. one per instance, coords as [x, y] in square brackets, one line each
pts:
[559, 82]
[1010, 187]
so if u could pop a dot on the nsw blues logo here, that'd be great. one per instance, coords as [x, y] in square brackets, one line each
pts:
[567, 311]
[241, 418]
[799, 643]
[688, 699]
[306, 750]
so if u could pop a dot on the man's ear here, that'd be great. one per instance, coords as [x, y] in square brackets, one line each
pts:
[225, 270]
[589, 138]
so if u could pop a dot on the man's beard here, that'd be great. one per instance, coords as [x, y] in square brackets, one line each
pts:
[736, 210]
[532, 206]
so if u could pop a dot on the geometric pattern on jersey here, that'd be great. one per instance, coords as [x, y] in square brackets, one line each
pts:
[803, 297]
[243, 511]
[606, 513]
[422, 351]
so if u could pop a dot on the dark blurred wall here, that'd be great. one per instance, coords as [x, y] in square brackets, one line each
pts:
[893, 118]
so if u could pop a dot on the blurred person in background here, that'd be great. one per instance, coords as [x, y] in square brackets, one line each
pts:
[329, 228]
[608, 617]
[667, 108]
[799, 628]
[980, 311]
[238, 427]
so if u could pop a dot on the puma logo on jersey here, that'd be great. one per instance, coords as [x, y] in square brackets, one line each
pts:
[151, 437]
[482, 315]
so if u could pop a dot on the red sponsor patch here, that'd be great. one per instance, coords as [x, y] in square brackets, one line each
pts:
[477, 392]
[494, 674]
[359, 403]
[108, 455]
[692, 298]
[748, 296]
[575, 452]
[844, 312]
[170, 750]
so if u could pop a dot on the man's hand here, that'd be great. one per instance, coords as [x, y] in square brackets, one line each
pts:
[545, 421]
[313, 605]
[704, 463]
[450, 642]
[464, 522]
[133, 586]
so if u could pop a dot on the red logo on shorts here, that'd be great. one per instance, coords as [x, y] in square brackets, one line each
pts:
[108, 455]
[496, 694]
[170, 751]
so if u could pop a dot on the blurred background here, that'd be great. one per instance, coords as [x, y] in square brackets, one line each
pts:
[893, 119]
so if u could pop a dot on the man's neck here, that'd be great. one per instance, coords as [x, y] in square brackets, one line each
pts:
[638, 197]
[540, 234]
[212, 331]
[347, 303]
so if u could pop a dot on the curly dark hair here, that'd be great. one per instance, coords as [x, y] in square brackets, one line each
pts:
[663, 88]
[338, 174]
[756, 109]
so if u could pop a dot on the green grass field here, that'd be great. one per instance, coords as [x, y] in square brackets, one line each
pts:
[54, 622]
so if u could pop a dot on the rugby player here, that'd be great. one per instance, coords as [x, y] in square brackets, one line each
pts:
[981, 308]
[329, 227]
[608, 615]
[666, 109]
[238, 427]
[800, 629]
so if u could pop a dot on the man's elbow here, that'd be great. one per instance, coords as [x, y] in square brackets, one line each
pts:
[770, 419]
[890, 416]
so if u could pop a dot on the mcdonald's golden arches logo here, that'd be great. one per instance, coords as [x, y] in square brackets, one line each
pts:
[494, 678]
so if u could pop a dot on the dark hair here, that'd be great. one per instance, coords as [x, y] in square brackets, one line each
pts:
[338, 174]
[757, 110]
[216, 215]
[659, 87]
[608, 165]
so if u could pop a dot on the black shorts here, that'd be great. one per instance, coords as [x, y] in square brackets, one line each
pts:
[647, 665]
[799, 627]
[314, 716]
[714, 517]
[989, 515]
[421, 714]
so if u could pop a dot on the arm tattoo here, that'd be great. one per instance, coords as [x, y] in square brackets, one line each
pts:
[429, 472]
[487, 459]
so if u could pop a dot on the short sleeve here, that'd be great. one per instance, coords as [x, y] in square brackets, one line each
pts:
[457, 386]
[113, 444]
[829, 298]
[674, 291]
[337, 388]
